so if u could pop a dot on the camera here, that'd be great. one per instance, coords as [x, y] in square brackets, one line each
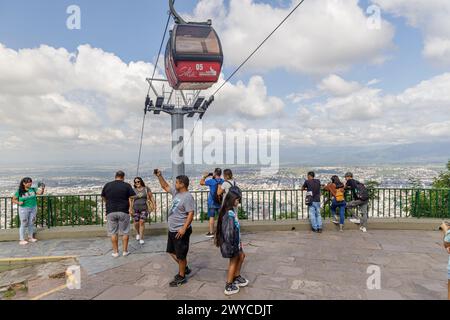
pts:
[155, 172]
[210, 174]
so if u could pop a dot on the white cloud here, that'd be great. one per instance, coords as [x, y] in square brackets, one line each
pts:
[432, 17]
[299, 97]
[369, 117]
[323, 36]
[373, 82]
[92, 100]
[337, 86]
[249, 101]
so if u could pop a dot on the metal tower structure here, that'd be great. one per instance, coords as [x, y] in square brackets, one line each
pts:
[177, 104]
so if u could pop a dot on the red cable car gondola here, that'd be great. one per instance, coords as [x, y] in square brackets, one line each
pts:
[194, 56]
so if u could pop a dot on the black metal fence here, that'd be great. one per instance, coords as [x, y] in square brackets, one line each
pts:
[257, 205]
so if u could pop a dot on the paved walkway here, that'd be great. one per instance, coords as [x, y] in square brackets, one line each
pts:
[280, 265]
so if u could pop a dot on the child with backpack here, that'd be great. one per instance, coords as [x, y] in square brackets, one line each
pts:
[360, 201]
[228, 239]
[337, 190]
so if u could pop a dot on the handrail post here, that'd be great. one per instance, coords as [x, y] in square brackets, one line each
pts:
[49, 218]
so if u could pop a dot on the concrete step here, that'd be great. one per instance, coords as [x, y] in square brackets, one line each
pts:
[247, 226]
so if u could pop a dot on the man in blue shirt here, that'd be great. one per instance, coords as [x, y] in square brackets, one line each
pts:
[212, 181]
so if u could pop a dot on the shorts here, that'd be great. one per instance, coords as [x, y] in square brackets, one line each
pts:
[212, 212]
[179, 247]
[118, 223]
[140, 215]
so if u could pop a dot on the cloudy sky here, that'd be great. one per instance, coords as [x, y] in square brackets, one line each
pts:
[329, 78]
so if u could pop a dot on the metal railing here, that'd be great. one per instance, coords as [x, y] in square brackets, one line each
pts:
[257, 205]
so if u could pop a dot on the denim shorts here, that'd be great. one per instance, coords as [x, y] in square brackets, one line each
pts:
[212, 212]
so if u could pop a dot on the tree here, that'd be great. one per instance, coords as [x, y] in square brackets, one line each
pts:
[443, 180]
[434, 202]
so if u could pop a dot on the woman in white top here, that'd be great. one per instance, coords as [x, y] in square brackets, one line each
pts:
[225, 187]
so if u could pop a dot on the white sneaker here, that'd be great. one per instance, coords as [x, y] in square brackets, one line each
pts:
[125, 253]
[356, 221]
[32, 240]
[363, 229]
[115, 254]
[23, 243]
[138, 237]
[141, 241]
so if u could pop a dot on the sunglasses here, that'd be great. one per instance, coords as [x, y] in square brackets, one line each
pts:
[136, 182]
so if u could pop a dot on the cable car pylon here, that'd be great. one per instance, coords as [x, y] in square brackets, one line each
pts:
[193, 62]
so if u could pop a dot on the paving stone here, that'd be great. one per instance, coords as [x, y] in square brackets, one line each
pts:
[431, 286]
[271, 282]
[293, 265]
[251, 293]
[307, 287]
[151, 295]
[210, 275]
[154, 281]
[210, 291]
[383, 295]
[279, 295]
[89, 289]
[114, 277]
[289, 271]
[391, 283]
[122, 292]
[40, 286]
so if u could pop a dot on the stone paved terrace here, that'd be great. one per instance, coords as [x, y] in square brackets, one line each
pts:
[293, 265]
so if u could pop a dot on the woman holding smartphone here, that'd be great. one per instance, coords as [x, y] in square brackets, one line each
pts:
[26, 199]
[143, 204]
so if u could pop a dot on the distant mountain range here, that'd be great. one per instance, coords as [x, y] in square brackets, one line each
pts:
[417, 153]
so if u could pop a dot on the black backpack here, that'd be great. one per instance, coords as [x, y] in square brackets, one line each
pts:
[361, 191]
[234, 188]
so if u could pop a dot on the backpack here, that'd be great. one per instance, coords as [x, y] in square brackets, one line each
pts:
[340, 195]
[218, 198]
[234, 189]
[361, 191]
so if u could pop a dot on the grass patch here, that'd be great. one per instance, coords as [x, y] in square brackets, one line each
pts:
[9, 294]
